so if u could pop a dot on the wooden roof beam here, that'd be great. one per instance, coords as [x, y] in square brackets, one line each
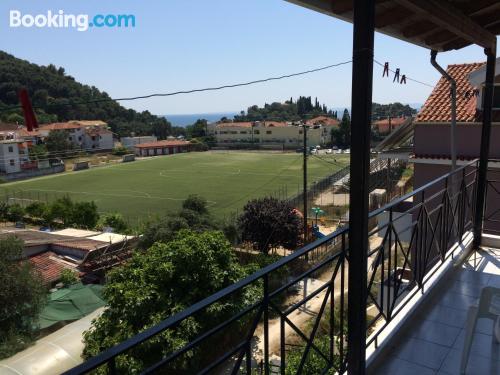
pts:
[391, 16]
[447, 16]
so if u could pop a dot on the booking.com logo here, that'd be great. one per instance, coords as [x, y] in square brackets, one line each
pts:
[80, 22]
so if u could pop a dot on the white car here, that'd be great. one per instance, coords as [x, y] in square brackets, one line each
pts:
[329, 151]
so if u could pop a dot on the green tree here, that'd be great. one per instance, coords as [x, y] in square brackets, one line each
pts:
[341, 136]
[159, 283]
[57, 143]
[36, 209]
[62, 210]
[15, 212]
[196, 203]
[84, 215]
[22, 297]
[38, 152]
[270, 222]
[198, 129]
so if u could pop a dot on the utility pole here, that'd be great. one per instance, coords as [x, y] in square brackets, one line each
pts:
[304, 152]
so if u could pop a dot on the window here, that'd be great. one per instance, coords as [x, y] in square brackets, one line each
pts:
[243, 132]
[79, 138]
[234, 132]
[69, 138]
[12, 162]
[256, 132]
[269, 132]
[300, 131]
[11, 149]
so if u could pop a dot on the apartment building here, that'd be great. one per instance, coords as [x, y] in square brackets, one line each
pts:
[90, 135]
[287, 134]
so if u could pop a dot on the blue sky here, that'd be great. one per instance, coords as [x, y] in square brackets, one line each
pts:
[185, 44]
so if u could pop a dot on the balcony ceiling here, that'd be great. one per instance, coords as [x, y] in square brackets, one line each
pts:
[442, 25]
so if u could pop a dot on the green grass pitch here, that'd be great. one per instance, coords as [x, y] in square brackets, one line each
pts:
[159, 185]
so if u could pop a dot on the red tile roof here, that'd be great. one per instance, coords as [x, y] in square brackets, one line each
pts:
[323, 120]
[437, 108]
[395, 121]
[274, 124]
[162, 144]
[234, 125]
[74, 124]
[49, 265]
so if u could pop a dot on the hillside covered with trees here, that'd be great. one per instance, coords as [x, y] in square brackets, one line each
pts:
[52, 92]
[302, 108]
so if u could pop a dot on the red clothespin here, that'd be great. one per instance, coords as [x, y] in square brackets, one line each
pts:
[396, 76]
[29, 115]
[403, 79]
[386, 70]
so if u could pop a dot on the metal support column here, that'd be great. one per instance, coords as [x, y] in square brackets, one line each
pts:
[485, 145]
[362, 84]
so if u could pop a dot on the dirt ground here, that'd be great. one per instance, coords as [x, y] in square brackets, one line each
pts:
[329, 198]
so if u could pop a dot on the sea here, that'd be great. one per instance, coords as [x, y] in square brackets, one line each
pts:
[188, 119]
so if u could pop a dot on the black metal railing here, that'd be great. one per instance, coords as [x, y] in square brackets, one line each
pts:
[297, 322]
[492, 206]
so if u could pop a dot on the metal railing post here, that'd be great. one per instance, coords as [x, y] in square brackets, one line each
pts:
[485, 145]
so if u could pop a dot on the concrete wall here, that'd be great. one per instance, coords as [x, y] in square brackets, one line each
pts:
[434, 139]
[34, 173]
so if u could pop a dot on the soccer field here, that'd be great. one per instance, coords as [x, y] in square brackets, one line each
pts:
[159, 185]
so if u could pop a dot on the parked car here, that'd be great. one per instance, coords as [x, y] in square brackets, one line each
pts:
[329, 151]
[314, 151]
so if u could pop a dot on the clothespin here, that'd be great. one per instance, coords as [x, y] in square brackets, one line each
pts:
[467, 95]
[475, 92]
[403, 79]
[396, 76]
[386, 70]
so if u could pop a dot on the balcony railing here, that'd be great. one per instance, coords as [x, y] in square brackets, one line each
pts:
[300, 311]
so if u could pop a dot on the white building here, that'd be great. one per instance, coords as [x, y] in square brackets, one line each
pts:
[271, 132]
[131, 142]
[13, 153]
[90, 135]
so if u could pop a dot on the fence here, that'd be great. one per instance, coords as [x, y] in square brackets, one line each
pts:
[399, 265]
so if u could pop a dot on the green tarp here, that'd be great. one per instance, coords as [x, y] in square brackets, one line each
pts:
[71, 303]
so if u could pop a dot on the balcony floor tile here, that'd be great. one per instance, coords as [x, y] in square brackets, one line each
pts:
[433, 340]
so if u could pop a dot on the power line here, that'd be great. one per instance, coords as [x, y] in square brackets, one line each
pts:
[191, 91]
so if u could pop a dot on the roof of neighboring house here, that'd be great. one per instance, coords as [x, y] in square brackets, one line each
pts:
[8, 127]
[437, 108]
[247, 124]
[162, 144]
[84, 244]
[323, 120]
[275, 124]
[395, 121]
[23, 132]
[50, 265]
[73, 124]
[97, 131]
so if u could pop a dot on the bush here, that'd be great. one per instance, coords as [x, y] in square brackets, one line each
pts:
[119, 151]
[15, 212]
[69, 277]
[114, 221]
